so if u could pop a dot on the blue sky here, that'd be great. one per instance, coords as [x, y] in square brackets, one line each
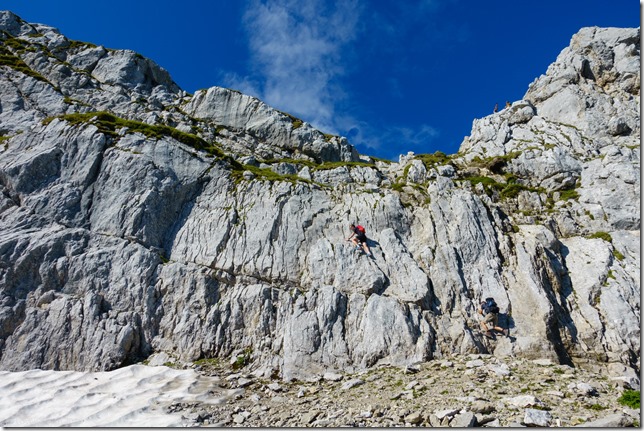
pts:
[391, 76]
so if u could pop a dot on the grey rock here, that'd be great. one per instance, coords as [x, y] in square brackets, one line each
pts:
[310, 417]
[244, 382]
[583, 388]
[334, 377]
[441, 414]
[524, 401]
[501, 370]
[349, 384]
[491, 423]
[616, 420]
[475, 363]
[275, 387]
[414, 418]
[538, 418]
[625, 375]
[482, 407]
[546, 362]
[464, 420]
[159, 359]
[116, 245]
[412, 384]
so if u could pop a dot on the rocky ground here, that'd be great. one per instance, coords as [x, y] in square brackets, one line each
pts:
[466, 391]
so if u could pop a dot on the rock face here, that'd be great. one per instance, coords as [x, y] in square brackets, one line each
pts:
[137, 219]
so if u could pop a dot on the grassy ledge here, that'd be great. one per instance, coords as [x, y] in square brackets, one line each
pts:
[9, 59]
[108, 124]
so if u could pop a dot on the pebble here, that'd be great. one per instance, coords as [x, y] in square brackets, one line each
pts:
[482, 407]
[445, 413]
[309, 417]
[524, 401]
[475, 363]
[414, 418]
[333, 377]
[463, 420]
[538, 418]
[500, 370]
[543, 362]
[352, 384]
[275, 387]
[412, 384]
[243, 382]
[612, 421]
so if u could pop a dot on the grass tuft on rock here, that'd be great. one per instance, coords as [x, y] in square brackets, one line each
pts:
[7, 58]
[601, 235]
[630, 399]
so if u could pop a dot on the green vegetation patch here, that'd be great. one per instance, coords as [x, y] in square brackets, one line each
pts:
[430, 160]
[297, 123]
[324, 166]
[380, 159]
[328, 137]
[301, 162]
[630, 399]
[512, 190]
[208, 362]
[569, 194]
[333, 165]
[601, 235]
[264, 174]
[108, 123]
[618, 255]
[489, 184]
[398, 186]
[243, 359]
[508, 190]
[7, 58]
[496, 163]
[597, 407]
[78, 44]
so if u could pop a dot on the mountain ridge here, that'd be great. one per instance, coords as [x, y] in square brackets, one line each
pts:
[239, 245]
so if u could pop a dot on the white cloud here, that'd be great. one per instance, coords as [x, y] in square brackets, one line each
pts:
[299, 49]
[302, 51]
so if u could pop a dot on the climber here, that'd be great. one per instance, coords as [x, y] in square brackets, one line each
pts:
[359, 238]
[496, 107]
[490, 312]
[508, 104]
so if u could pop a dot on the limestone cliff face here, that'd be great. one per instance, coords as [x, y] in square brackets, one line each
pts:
[136, 218]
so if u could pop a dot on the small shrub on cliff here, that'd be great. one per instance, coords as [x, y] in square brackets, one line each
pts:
[601, 235]
[430, 160]
[597, 407]
[495, 164]
[567, 195]
[332, 165]
[7, 58]
[630, 399]
[243, 359]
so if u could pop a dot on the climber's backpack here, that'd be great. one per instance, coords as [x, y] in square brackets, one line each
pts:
[489, 306]
[360, 229]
